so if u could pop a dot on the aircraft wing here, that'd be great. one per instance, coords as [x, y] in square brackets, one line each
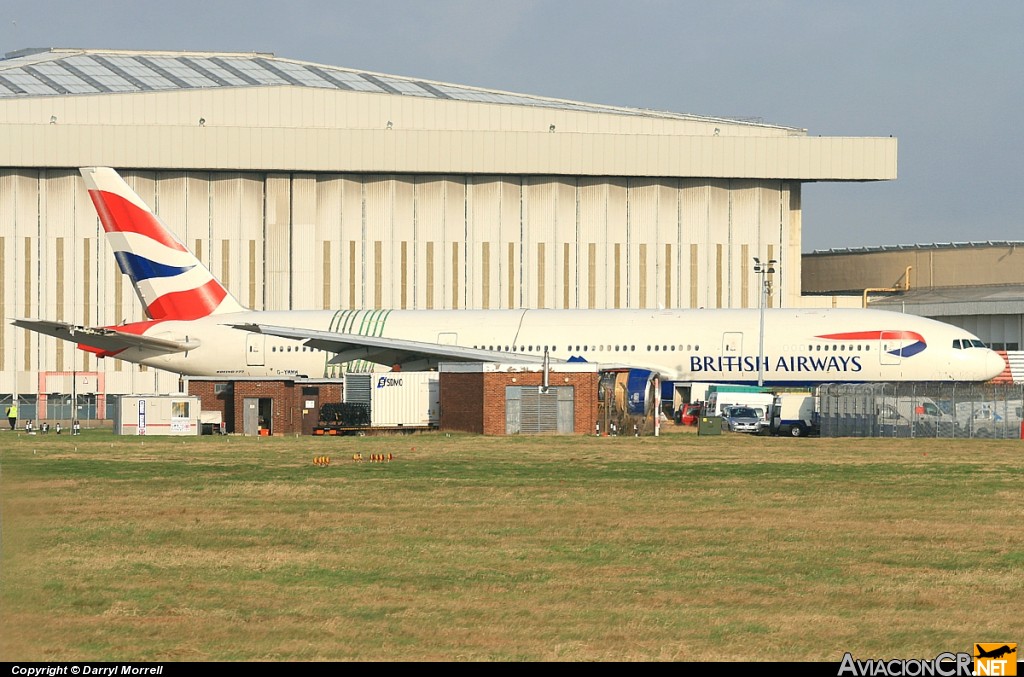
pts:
[390, 351]
[103, 339]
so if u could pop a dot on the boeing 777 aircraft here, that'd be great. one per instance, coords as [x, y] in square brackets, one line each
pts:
[197, 328]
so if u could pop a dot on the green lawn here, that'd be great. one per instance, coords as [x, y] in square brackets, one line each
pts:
[466, 548]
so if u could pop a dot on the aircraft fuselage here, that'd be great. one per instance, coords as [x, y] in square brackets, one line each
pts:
[799, 346]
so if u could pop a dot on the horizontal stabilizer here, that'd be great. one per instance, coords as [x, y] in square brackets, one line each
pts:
[104, 339]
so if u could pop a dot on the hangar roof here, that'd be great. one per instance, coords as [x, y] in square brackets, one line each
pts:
[257, 112]
[913, 247]
[62, 72]
[946, 301]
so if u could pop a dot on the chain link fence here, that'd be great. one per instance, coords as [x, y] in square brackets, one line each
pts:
[52, 407]
[945, 410]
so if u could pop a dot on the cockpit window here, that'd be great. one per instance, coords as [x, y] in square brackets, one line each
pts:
[978, 343]
[956, 344]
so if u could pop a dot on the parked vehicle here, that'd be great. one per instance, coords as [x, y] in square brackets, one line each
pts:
[717, 401]
[990, 419]
[688, 414]
[742, 420]
[914, 417]
[794, 414]
[763, 412]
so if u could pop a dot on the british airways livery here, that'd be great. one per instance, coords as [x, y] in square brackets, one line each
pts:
[197, 328]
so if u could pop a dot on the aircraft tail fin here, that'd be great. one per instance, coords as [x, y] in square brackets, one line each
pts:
[170, 281]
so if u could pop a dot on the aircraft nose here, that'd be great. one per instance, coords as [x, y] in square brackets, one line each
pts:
[995, 364]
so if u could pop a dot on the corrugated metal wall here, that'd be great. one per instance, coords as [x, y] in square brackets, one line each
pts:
[305, 241]
[961, 265]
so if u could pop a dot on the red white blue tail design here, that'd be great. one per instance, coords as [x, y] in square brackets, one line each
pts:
[171, 282]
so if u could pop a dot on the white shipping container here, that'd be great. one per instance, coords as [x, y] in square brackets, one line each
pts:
[157, 415]
[397, 399]
[405, 399]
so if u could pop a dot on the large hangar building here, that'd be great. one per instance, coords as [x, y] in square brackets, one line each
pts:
[304, 185]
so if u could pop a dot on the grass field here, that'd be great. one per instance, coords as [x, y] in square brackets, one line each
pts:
[466, 548]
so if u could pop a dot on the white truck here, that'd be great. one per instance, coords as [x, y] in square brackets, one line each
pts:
[794, 414]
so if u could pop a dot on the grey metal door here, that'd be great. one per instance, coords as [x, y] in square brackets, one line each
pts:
[251, 416]
[513, 410]
[566, 410]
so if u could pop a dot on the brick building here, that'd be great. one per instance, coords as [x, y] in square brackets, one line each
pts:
[496, 399]
[252, 406]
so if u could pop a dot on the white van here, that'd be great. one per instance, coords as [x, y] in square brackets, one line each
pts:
[794, 414]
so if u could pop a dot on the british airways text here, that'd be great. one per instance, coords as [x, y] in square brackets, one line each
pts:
[793, 363]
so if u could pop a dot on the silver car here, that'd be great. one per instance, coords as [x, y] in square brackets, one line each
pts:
[742, 420]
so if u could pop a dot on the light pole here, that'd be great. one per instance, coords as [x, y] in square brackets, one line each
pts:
[762, 270]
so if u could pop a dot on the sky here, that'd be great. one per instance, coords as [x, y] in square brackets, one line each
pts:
[945, 78]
